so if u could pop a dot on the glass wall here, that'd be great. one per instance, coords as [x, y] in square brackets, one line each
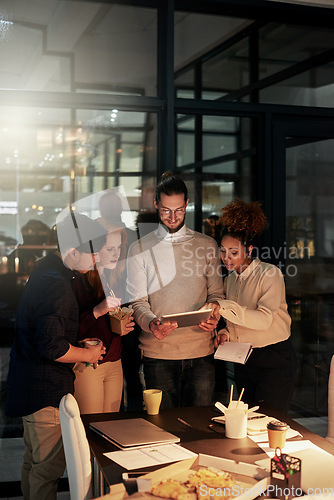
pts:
[305, 54]
[78, 47]
[216, 149]
[88, 103]
[310, 267]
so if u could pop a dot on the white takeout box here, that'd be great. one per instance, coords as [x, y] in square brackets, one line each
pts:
[252, 479]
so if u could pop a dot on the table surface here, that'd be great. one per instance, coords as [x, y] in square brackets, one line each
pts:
[198, 438]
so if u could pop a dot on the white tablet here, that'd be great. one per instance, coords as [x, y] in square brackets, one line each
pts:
[191, 318]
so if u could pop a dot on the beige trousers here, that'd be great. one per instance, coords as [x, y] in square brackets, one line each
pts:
[99, 390]
[44, 459]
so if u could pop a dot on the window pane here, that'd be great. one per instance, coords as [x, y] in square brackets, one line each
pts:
[110, 143]
[309, 271]
[197, 34]
[282, 46]
[185, 140]
[228, 70]
[80, 46]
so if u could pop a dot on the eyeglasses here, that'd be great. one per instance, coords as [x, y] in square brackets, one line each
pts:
[168, 212]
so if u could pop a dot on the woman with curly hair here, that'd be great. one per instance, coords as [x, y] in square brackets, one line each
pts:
[255, 310]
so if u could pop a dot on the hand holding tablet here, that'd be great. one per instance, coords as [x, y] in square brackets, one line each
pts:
[191, 318]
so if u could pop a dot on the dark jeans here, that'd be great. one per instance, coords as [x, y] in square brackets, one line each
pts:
[184, 382]
[131, 362]
[269, 376]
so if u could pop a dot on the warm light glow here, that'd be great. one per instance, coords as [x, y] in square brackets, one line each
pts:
[72, 175]
[40, 208]
[34, 207]
[17, 263]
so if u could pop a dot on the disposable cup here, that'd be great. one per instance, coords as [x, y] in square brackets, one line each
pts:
[86, 343]
[277, 434]
[91, 342]
[152, 400]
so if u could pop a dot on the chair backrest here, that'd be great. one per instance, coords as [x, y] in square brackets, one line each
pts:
[76, 447]
[330, 431]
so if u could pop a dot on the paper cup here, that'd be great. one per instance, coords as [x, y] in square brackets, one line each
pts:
[86, 343]
[277, 433]
[152, 400]
[91, 342]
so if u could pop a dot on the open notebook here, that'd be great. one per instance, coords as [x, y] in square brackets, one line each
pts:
[132, 433]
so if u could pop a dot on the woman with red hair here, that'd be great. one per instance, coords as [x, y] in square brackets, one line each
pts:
[100, 390]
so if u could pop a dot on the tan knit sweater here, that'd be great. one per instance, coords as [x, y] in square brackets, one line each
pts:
[256, 309]
[171, 274]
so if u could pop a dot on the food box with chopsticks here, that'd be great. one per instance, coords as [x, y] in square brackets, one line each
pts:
[204, 477]
[119, 319]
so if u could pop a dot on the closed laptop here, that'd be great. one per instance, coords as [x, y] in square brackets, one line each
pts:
[133, 433]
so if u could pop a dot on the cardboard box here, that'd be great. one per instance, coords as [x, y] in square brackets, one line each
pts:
[118, 325]
[252, 479]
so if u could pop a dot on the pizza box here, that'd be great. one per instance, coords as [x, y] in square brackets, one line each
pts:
[252, 480]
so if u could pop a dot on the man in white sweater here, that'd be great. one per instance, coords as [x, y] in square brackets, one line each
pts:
[172, 270]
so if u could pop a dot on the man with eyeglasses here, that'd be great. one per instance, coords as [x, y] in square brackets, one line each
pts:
[173, 270]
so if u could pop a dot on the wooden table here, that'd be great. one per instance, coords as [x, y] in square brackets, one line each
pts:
[198, 438]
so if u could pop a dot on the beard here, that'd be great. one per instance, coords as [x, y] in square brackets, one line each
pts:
[175, 229]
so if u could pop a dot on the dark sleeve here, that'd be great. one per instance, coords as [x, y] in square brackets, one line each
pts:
[88, 324]
[56, 319]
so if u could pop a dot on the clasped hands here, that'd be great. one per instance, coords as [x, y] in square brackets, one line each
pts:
[162, 330]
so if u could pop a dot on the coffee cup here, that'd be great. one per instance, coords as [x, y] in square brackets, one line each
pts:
[236, 420]
[277, 433]
[88, 342]
[91, 342]
[152, 400]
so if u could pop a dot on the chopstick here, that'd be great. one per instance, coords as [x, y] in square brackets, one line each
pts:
[241, 393]
[118, 309]
[231, 393]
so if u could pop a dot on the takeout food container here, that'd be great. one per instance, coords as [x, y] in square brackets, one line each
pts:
[120, 319]
[251, 479]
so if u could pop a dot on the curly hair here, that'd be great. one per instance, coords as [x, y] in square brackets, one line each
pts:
[242, 220]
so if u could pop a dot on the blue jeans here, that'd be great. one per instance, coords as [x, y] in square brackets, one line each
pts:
[184, 382]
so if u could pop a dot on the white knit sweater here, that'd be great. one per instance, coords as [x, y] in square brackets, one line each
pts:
[172, 273]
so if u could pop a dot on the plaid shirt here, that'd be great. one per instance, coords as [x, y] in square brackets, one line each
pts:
[47, 322]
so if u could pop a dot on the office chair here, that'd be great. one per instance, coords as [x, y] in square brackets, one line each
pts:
[76, 447]
[330, 431]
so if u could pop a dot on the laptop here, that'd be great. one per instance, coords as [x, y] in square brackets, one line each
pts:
[132, 433]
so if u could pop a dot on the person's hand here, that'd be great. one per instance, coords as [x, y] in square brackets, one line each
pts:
[95, 352]
[221, 338]
[109, 304]
[161, 330]
[215, 309]
[209, 325]
[129, 326]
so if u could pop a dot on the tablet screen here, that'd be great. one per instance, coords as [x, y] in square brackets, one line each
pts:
[191, 318]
